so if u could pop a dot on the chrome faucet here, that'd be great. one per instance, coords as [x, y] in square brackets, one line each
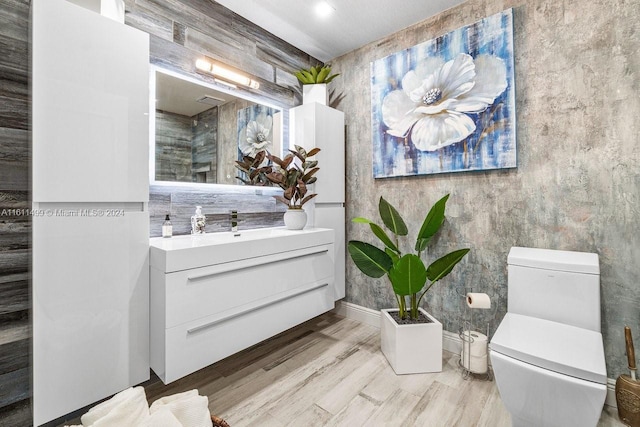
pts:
[234, 221]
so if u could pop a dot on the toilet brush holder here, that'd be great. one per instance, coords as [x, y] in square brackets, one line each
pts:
[628, 400]
[628, 387]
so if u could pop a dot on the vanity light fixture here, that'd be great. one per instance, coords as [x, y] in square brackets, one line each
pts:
[225, 76]
[227, 84]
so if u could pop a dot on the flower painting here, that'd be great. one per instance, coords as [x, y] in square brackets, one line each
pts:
[448, 104]
[255, 130]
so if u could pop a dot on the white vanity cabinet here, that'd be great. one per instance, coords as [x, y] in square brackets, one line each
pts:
[217, 294]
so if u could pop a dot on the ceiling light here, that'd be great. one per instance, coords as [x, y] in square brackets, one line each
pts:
[225, 74]
[323, 9]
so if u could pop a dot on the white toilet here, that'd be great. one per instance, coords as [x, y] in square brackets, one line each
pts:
[547, 353]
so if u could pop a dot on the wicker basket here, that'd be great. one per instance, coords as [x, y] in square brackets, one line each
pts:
[218, 422]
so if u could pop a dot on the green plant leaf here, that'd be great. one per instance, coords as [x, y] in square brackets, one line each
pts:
[322, 75]
[361, 220]
[432, 223]
[370, 260]
[408, 275]
[421, 244]
[303, 79]
[392, 218]
[441, 267]
[394, 256]
[314, 73]
[308, 76]
[379, 232]
[328, 79]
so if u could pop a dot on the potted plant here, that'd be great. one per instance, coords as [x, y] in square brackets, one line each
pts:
[293, 174]
[253, 170]
[314, 83]
[416, 346]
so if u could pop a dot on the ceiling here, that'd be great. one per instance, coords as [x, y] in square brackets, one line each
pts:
[350, 25]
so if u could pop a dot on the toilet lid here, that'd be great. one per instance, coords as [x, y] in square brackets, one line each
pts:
[561, 348]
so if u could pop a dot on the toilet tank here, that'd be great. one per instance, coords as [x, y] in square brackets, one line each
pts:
[561, 286]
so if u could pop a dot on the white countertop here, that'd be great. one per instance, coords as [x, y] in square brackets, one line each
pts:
[192, 251]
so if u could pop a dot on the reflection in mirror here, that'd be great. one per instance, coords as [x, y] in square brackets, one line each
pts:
[201, 130]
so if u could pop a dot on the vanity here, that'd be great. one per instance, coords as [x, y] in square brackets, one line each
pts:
[215, 294]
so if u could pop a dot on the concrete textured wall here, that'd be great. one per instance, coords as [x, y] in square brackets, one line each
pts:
[577, 185]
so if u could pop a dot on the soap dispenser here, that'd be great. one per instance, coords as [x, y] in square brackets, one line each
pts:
[167, 228]
[198, 221]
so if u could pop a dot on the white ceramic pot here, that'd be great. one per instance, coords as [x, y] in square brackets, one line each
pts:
[295, 219]
[411, 349]
[315, 93]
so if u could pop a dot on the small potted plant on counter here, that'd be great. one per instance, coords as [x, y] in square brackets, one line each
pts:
[293, 174]
[411, 339]
[314, 83]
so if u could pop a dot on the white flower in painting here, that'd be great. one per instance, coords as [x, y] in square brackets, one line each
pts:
[437, 97]
[258, 136]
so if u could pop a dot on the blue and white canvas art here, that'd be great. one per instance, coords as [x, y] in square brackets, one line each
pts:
[448, 104]
[255, 130]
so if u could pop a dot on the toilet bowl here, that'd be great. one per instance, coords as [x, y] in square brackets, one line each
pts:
[547, 354]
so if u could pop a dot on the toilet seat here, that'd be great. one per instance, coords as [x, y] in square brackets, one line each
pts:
[558, 347]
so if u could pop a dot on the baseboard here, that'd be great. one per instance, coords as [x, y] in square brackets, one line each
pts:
[611, 393]
[451, 341]
[357, 312]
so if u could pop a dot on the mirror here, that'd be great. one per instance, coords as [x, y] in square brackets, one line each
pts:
[201, 129]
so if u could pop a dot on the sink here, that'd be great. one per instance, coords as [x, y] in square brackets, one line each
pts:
[191, 251]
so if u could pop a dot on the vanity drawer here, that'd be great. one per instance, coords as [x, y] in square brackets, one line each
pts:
[196, 344]
[225, 288]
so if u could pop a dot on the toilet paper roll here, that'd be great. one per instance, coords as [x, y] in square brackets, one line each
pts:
[474, 343]
[477, 365]
[478, 300]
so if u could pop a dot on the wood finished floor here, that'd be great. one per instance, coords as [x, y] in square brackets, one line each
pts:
[330, 372]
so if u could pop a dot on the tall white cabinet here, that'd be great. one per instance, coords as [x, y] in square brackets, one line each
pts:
[317, 125]
[90, 273]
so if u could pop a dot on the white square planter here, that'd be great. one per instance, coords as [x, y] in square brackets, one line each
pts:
[315, 93]
[411, 349]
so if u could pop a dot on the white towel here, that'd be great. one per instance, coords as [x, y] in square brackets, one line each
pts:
[188, 407]
[162, 418]
[127, 408]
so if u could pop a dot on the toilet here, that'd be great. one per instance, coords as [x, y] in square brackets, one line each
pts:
[547, 353]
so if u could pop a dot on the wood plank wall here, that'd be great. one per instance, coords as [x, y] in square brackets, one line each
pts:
[15, 223]
[181, 31]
